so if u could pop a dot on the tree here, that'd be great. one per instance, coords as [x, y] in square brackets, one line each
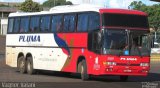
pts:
[152, 11]
[52, 3]
[154, 16]
[3, 5]
[137, 5]
[68, 3]
[30, 6]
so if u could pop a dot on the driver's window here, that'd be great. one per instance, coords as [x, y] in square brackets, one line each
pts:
[97, 41]
[145, 41]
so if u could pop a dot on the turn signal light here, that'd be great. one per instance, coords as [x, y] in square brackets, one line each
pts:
[110, 63]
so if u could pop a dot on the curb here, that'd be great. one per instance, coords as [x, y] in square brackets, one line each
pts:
[155, 60]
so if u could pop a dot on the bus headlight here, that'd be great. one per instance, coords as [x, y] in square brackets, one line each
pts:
[144, 64]
[111, 63]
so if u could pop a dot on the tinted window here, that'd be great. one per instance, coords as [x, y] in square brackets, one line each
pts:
[45, 23]
[16, 25]
[56, 23]
[69, 23]
[10, 25]
[94, 21]
[34, 24]
[82, 22]
[115, 42]
[24, 24]
[123, 20]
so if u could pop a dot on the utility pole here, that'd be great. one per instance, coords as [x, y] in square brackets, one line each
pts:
[54, 3]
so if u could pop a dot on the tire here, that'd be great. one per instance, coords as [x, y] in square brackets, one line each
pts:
[18, 65]
[79, 67]
[82, 69]
[21, 65]
[30, 69]
[123, 78]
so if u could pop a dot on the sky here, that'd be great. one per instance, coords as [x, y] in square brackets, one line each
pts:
[105, 3]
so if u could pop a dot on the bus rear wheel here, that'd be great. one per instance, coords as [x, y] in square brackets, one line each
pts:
[21, 64]
[30, 69]
[124, 78]
[82, 69]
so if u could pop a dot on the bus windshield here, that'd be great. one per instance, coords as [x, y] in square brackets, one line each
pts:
[126, 42]
[114, 41]
[139, 43]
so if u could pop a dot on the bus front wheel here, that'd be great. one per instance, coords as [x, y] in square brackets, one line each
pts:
[82, 69]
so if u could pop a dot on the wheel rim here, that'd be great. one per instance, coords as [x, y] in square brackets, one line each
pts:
[29, 66]
[82, 70]
[22, 65]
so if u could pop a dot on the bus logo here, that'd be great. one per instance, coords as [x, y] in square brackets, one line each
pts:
[29, 38]
[129, 59]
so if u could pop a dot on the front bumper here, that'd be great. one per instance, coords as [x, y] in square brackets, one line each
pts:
[125, 70]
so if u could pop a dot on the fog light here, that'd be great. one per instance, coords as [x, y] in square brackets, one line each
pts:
[144, 71]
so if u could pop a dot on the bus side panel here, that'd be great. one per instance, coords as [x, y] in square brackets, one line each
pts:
[9, 59]
[76, 45]
[57, 52]
[11, 53]
[46, 49]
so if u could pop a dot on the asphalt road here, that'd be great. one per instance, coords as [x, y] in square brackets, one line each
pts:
[10, 78]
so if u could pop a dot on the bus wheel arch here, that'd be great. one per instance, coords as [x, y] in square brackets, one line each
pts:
[82, 68]
[29, 64]
[19, 55]
[79, 60]
[21, 63]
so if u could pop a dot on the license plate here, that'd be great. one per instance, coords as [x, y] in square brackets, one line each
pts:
[127, 70]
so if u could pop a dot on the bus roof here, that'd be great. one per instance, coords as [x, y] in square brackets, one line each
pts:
[78, 8]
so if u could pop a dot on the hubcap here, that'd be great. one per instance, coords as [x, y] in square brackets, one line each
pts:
[82, 70]
[21, 65]
[29, 66]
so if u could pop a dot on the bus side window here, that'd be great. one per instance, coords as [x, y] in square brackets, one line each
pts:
[56, 25]
[82, 23]
[16, 25]
[10, 25]
[24, 24]
[69, 23]
[94, 21]
[34, 24]
[72, 24]
[45, 24]
[66, 23]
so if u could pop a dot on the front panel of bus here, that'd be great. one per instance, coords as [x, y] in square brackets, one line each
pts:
[122, 45]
